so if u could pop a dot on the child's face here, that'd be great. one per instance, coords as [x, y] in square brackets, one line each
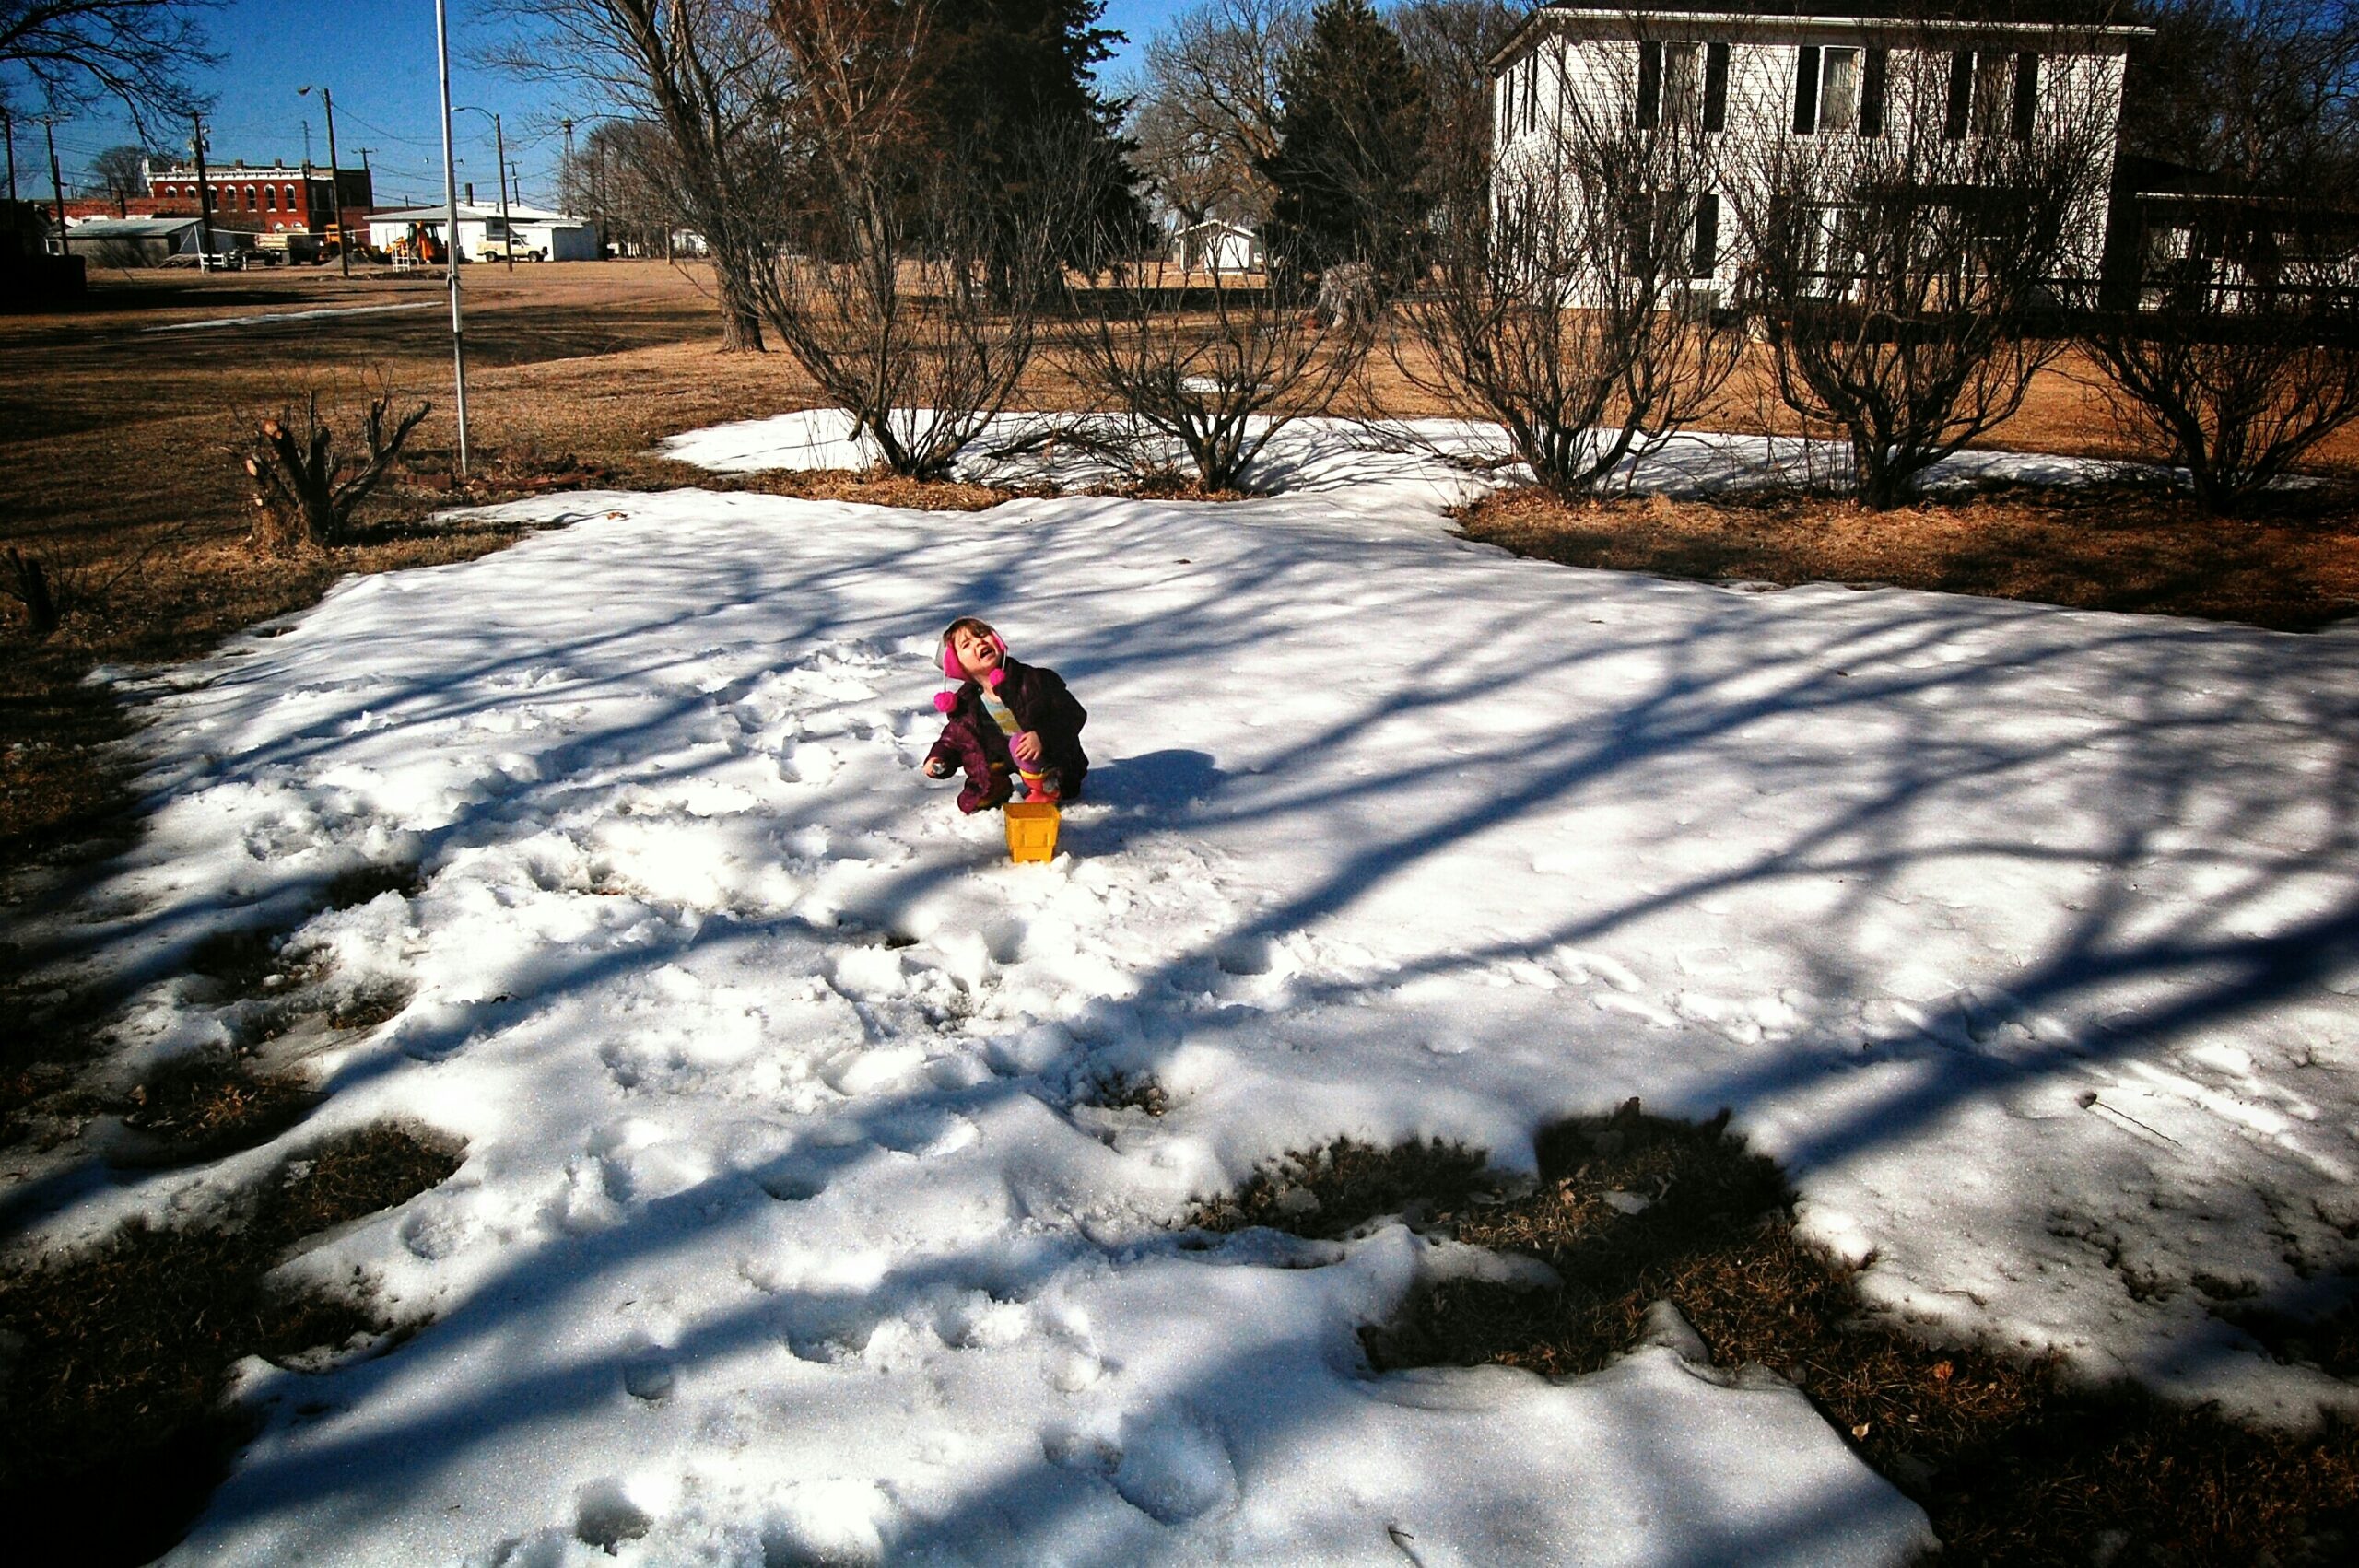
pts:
[976, 651]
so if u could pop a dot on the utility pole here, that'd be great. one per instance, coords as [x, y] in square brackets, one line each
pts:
[451, 210]
[56, 185]
[8, 121]
[336, 183]
[500, 152]
[569, 177]
[307, 141]
[203, 191]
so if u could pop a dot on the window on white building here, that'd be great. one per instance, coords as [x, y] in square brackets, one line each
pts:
[1838, 90]
[1706, 234]
[1683, 83]
[1992, 93]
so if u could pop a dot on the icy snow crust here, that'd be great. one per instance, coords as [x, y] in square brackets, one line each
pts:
[787, 1233]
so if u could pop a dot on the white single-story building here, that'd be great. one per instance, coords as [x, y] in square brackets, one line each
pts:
[540, 234]
[1215, 246]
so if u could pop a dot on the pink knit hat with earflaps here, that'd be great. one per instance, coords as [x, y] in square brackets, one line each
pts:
[956, 673]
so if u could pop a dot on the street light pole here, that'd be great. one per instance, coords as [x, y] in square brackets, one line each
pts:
[451, 246]
[499, 150]
[204, 193]
[56, 185]
[335, 185]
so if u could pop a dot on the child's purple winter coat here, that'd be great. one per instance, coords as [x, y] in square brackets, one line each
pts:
[973, 741]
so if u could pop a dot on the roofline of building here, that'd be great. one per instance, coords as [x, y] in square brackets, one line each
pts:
[1561, 18]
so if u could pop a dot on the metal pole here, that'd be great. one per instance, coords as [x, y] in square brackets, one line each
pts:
[451, 247]
[335, 189]
[499, 150]
[204, 193]
[56, 185]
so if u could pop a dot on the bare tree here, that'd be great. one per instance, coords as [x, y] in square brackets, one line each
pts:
[1578, 309]
[123, 172]
[884, 289]
[1451, 43]
[1907, 249]
[709, 73]
[622, 176]
[1206, 117]
[136, 52]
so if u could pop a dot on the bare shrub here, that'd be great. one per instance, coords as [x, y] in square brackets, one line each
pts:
[1906, 264]
[27, 584]
[884, 291]
[2237, 400]
[305, 491]
[1214, 370]
[2230, 334]
[1576, 308]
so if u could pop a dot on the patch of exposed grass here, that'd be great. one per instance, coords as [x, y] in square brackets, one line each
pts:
[118, 1356]
[1333, 1191]
[201, 1106]
[875, 488]
[368, 1006]
[2014, 1462]
[2130, 547]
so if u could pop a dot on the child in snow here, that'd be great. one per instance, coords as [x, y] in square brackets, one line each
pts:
[1010, 721]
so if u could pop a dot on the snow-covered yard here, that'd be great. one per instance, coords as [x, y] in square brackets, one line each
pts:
[2026, 940]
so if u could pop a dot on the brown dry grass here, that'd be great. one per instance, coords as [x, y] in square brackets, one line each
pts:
[2116, 548]
[120, 1355]
[2014, 1462]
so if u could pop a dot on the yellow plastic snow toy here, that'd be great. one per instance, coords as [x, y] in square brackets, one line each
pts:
[1031, 830]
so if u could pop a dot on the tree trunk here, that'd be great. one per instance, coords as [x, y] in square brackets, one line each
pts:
[741, 315]
[740, 329]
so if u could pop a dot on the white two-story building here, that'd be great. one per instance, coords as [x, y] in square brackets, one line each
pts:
[1755, 87]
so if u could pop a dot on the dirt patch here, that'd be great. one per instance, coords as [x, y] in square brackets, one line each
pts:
[2110, 547]
[117, 1357]
[2013, 1463]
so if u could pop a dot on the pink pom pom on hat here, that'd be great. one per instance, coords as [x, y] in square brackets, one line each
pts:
[956, 673]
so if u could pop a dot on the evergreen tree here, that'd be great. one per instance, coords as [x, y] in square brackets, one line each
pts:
[1013, 105]
[1351, 128]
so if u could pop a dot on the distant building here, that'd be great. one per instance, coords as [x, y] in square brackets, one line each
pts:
[133, 241]
[539, 234]
[277, 199]
[1215, 246]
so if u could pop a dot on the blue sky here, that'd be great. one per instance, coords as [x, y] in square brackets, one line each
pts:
[377, 57]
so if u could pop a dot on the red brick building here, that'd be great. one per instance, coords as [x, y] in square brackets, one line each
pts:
[267, 200]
